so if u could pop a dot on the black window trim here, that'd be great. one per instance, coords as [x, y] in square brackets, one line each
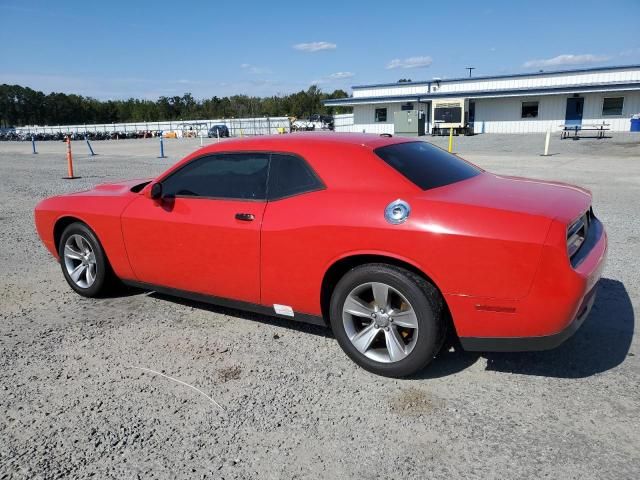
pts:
[375, 114]
[537, 102]
[604, 99]
[321, 184]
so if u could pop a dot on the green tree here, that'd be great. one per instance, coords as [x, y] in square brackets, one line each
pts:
[23, 106]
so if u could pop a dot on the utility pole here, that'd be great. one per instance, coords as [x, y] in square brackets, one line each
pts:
[470, 69]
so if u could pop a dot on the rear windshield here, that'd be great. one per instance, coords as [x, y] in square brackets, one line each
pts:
[426, 165]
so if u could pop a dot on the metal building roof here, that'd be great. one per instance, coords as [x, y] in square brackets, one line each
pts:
[503, 76]
[599, 87]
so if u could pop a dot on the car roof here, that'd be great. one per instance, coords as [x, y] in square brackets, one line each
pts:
[266, 142]
[344, 161]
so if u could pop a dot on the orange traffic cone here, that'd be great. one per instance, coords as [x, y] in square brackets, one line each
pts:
[70, 175]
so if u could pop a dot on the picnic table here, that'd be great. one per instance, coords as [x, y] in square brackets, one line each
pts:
[599, 128]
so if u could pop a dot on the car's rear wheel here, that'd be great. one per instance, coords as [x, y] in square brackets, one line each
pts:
[387, 319]
[84, 264]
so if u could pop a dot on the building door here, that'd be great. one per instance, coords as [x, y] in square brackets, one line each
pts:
[426, 109]
[575, 107]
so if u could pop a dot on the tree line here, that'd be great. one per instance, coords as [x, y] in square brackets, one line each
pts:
[21, 106]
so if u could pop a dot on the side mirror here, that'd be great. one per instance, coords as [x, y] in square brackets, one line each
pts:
[156, 191]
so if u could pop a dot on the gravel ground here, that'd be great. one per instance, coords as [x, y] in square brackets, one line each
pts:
[281, 400]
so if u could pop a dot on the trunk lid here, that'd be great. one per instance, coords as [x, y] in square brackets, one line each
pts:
[524, 195]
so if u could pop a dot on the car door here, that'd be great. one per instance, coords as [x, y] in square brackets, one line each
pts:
[294, 235]
[203, 235]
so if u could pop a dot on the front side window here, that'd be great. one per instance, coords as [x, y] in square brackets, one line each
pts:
[529, 109]
[236, 176]
[290, 175]
[612, 106]
[381, 114]
[426, 165]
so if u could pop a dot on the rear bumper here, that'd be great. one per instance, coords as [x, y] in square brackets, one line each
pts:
[558, 303]
[527, 344]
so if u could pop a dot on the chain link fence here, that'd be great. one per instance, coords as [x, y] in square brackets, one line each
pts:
[237, 127]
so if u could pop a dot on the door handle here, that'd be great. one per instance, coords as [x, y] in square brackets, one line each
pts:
[245, 217]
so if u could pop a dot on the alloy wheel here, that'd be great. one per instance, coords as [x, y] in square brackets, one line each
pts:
[80, 261]
[380, 322]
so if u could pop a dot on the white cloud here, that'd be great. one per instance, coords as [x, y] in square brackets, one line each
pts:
[315, 46]
[566, 59]
[411, 62]
[254, 69]
[334, 78]
[341, 75]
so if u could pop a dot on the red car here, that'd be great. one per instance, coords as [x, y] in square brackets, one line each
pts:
[390, 241]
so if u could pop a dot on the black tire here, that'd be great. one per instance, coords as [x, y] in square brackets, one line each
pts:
[104, 276]
[427, 304]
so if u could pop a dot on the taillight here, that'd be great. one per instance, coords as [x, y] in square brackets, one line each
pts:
[577, 233]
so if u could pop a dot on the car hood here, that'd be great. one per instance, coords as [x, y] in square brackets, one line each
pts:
[114, 188]
[515, 194]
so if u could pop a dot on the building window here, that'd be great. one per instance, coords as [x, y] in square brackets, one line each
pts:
[529, 109]
[381, 114]
[612, 106]
[407, 106]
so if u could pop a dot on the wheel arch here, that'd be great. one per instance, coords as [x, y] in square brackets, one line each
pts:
[342, 265]
[61, 224]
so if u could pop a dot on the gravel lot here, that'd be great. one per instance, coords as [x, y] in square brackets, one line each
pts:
[76, 400]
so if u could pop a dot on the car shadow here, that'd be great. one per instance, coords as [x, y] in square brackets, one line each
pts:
[120, 290]
[601, 343]
[276, 321]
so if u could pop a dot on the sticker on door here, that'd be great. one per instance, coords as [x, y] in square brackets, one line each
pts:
[283, 310]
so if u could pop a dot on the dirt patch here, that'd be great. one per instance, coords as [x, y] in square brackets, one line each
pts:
[229, 373]
[412, 401]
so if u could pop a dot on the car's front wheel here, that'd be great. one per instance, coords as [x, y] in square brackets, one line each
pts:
[387, 319]
[84, 264]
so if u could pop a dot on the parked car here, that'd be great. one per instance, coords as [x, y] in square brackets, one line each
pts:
[313, 122]
[389, 241]
[220, 131]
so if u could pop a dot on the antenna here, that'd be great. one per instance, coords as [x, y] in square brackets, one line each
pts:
[470, 69]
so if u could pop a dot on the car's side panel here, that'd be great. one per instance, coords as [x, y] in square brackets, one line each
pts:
[303, 235]
[196, 244]
[100, 212]
[470, 253]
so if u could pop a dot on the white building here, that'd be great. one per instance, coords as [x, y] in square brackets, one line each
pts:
[519, 103]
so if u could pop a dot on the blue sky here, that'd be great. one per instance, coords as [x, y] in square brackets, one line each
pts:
[120, 49]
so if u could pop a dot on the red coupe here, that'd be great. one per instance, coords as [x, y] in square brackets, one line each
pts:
[389, 241]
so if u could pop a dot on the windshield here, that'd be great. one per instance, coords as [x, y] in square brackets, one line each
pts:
[426, 165]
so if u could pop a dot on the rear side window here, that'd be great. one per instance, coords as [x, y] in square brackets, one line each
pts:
[426, 165]
[235, 176]
[290, 175]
